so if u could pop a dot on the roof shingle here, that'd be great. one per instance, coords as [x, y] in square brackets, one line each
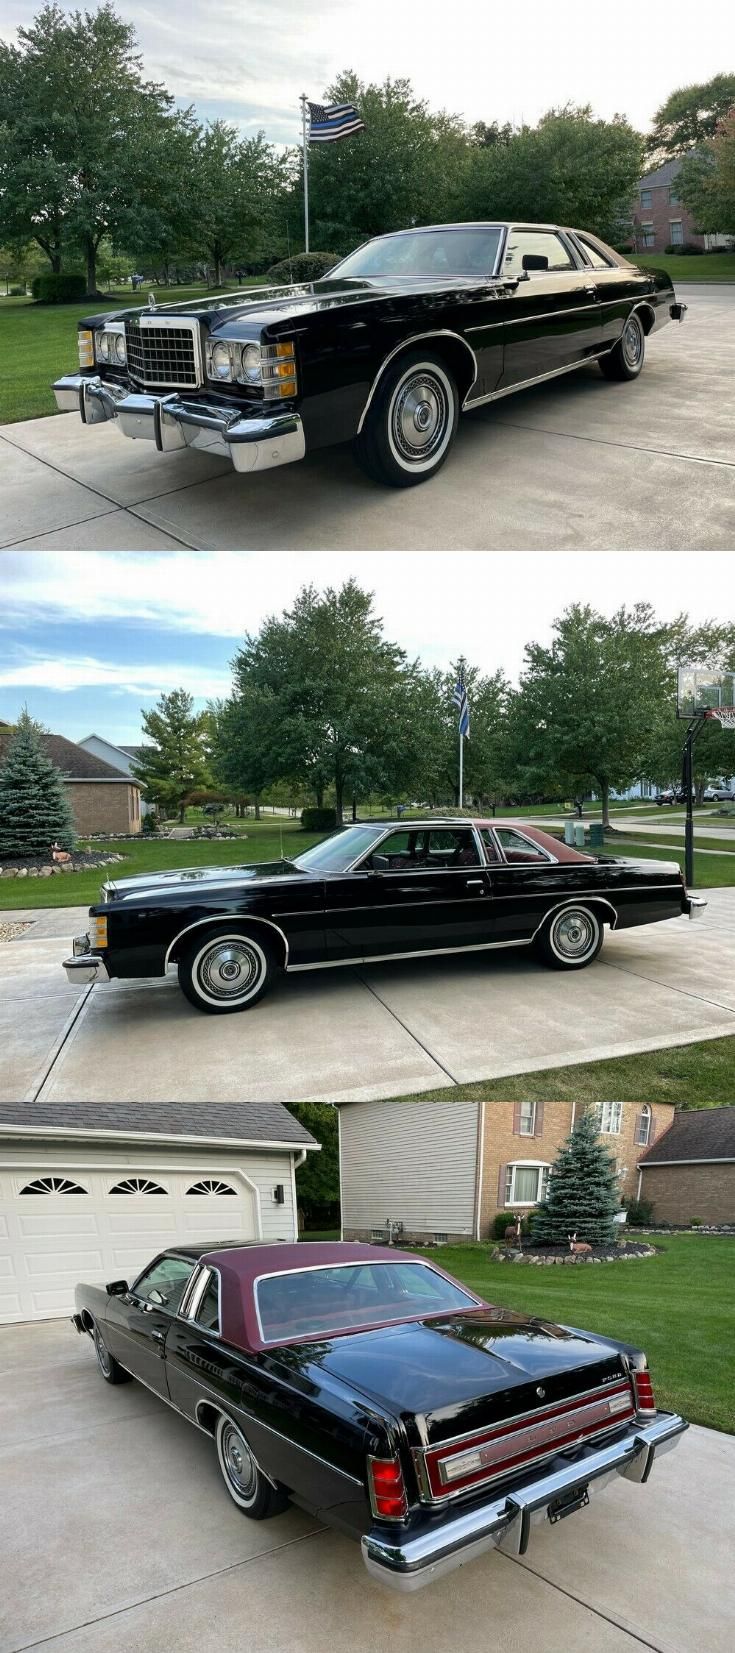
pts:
[241, 1122]
[696, 1134]
[74, 762]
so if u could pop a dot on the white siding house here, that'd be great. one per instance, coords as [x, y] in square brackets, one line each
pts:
[120, 757]
[409, 1163]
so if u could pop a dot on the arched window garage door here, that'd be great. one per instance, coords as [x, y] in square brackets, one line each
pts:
[77, 1222]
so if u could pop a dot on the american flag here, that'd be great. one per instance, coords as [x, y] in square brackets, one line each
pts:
[337, 120]
[459, 697]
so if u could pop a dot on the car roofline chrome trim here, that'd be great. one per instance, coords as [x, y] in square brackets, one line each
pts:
[416, 338]
[357, 1262]
[227, 918]
[449, 825]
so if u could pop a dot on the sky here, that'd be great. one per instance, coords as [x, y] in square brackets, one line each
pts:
[88, 639]
[248, 60]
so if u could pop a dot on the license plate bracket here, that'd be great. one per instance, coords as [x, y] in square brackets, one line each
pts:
[575, 1498]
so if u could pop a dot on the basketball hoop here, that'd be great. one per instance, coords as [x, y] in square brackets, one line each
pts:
[724, 715]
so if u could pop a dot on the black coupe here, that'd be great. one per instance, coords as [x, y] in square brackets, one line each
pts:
[372, 1389]
[371, 892]
[387, 350]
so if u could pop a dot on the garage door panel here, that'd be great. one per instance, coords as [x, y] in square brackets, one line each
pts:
[56, 1224]
[10, 1308]
[141, 1220]
[71, 1264]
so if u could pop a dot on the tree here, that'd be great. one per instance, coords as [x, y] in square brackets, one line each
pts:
[233, 194]
[582, 1196]
[434, 737]
[591, 708]
[78, 123]
[706, 182]
[689, 117]
[570, 169]
[324, 700]
[317, 1180]
[175, 762]
[34, 808]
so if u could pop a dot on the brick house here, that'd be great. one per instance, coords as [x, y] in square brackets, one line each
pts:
[445, 1169]
[661, 220]
[102, 799]
[119, 757]
[690, 1172]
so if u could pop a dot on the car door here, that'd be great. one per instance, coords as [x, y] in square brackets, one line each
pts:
[429, 891]
[619, 286]
[552, 319]
[139, 1322]
[526, 882]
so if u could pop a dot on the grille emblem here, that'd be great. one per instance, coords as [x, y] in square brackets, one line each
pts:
[541, 1392]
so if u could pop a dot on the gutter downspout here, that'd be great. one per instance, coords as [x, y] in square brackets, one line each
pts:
[480, 1168]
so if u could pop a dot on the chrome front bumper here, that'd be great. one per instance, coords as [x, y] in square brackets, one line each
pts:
[84, 966]
[255, 442]
[696, 905]
[408, 1563]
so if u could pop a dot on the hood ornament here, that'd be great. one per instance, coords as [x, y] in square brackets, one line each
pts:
[152, 301]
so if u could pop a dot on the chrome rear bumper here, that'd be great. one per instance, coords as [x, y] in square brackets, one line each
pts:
[256, 442]
[695, 906]
[407, 1563]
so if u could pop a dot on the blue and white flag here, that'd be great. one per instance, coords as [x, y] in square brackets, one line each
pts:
[459, 697]
[337, 120]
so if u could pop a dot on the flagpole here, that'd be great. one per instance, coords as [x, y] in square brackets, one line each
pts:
[461, 775]
[306, 171]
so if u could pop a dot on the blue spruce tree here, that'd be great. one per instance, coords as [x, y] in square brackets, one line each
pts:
[582, 1195]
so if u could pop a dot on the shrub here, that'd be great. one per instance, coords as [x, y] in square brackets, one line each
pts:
[673, 248]
[67, 288]
[696, 1222]
[302, 267]
[691, 247]
[640, 1213]
[150, 824]
[505, 1220]
[318, 820]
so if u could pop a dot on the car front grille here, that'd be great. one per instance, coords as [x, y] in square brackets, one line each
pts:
[164, 354]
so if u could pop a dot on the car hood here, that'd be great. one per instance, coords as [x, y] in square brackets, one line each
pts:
[467, 1370]
[295, 302]
[188, 880]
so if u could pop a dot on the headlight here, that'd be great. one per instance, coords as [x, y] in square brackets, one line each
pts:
[103, 346]
[110, 346]
[121, 354]
[251, 364]
[221, 361]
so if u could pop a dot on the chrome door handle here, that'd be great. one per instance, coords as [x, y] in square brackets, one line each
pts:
[475, 883]
[592, 291]
[158, 1337]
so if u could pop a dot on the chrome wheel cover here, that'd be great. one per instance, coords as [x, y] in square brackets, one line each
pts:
[633, 342]
[103, 1357]
[229, 969]
[574, 934]
[238, 1463]
[420, 416]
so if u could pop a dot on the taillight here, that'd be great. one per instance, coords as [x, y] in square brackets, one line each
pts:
[387, 1489]
[645, 1400]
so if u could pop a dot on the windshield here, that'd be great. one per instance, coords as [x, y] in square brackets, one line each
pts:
[416, 254]
[321, 1300]
[337, 853]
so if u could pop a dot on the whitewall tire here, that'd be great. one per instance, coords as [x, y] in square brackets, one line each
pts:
[572, 938]
[224, 972]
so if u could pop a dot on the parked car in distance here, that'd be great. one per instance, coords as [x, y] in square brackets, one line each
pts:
[375, 1391]
[372, 891]
[720, 795]
[671, 795]
[402, 336]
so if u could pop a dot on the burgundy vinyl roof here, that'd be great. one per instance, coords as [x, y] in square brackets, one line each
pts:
[239, 1268]
[555, 846]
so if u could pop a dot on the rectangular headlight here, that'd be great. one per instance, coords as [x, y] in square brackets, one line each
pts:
[98, 932]
[109, 344]
[85, 346]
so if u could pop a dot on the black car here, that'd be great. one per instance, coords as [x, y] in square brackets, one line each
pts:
[372, 1389]
[387, 350]
[371, 892]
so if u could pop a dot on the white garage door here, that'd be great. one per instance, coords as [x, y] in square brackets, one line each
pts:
[62, 1226]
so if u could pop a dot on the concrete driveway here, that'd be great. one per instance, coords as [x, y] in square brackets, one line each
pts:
[116, 1533]
[579, 464]
[380, 1031]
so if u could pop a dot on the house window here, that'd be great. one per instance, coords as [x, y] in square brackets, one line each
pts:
[527, 1118]
[676, 232]
[609, 1117]
[53, 1185]
[647, 199]
[210, 1185]
[643, 1127]
[525, 1184]
[441, 1239]
[648, 235]
[378, 1234]
[137, 1185]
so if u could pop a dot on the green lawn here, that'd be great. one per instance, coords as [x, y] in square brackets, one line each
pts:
[678, 1306]
[38, 342]
[265, 841]
[701, 1074]
[689, 266]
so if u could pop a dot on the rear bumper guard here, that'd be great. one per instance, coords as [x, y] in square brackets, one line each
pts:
[678, 311]
[254, 442]
[409, 1563]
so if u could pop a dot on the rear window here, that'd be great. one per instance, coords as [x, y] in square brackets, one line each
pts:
[310, 1301]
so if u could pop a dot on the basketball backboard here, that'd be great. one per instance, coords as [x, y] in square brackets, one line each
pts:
[704, 690]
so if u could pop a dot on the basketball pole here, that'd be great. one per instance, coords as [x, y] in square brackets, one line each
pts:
[687, 782]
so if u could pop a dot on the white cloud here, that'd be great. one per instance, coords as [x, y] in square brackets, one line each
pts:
[63, 675]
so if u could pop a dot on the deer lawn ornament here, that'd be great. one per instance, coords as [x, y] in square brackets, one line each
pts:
[59, 854]
[577, 1245]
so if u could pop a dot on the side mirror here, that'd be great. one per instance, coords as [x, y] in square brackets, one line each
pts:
[535, 261]
[379, 863]
[117, 1288]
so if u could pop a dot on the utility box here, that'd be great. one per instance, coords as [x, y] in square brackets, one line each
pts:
[597, 836]
[579, 830]
[569, 833]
